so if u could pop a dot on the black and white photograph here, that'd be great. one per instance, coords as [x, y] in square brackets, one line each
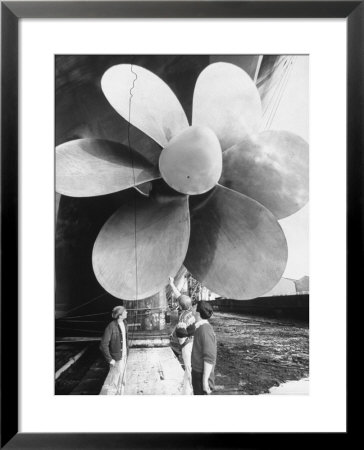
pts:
[181, 224]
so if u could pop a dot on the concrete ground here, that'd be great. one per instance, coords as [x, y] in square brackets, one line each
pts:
[153, 371]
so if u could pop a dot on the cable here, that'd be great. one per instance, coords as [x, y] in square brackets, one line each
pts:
[79, 321]
[135, 199]
[289, 70]
[76, 329]
[274, 86]
[85, 315]
[264, 77]
[86, 303]
[283, 86]
[278, 88]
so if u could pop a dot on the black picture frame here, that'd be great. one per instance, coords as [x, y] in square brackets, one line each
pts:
[11, 13]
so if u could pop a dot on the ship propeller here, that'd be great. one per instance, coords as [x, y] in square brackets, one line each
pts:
[233, 242]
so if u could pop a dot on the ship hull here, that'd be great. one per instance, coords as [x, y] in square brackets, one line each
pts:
[284, 306]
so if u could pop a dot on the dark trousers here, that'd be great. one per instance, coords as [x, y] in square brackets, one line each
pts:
[197, 383]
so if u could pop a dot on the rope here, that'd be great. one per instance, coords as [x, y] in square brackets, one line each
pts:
[85, 315]
[280, 96]
[80, 321]
[141, 309]
[76, 329]
[262, 79]
[281, 88]
[135, 200]
[86, 303]
[275, 87]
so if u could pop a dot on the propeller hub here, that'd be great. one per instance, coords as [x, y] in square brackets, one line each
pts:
[191, 162]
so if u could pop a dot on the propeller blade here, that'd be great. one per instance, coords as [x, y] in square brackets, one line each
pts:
[145, 100]
[227, 101]
[82, 111]
[90, 167]
[271, 168]
[141, 245]
[237, 248]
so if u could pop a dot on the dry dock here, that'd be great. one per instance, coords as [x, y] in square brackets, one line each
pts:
[254, 354]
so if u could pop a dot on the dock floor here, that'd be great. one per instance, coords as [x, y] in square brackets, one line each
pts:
[254, 354]
[153, 371]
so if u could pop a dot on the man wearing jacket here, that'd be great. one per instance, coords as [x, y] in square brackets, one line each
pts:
[204, 351]
[114, 347]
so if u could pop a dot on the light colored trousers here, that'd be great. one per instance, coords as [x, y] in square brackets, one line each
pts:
[115, 380]
[187, 378]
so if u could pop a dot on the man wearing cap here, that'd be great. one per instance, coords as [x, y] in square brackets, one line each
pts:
[204, 351]
[114, 347]
[184, 331]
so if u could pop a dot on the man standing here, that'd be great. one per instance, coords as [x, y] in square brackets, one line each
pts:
[184, 332]
[204, 351]
[114, 347]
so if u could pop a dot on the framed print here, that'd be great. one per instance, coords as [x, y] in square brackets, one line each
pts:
[203, 264]
[115, 216]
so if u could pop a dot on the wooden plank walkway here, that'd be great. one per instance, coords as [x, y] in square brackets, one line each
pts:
[153, 371]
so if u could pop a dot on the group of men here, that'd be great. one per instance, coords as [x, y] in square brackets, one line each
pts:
[198, 344]
[196, 338]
